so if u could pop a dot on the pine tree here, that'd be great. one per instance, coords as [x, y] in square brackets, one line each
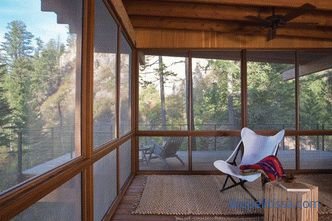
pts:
[17, 42]
[17, 50]
[4, 112]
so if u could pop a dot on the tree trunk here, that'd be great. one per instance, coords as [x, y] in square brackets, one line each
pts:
[61, 124]
[19, 156]
[162, 94]
[231, 120]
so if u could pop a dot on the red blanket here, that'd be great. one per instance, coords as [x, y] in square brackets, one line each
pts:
[270, 166]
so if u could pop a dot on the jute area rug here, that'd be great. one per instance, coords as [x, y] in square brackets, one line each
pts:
[199, 195]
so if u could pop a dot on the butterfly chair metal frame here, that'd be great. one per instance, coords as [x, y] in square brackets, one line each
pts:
[231, 168]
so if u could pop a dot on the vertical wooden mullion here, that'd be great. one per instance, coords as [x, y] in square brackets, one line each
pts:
[87, 107]
[117, 106]
[133, 110]
[136, 97]
[244, 89]
[297, 113]
[87, 194]
[190, 108]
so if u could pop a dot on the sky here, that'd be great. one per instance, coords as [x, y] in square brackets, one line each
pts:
[40, 24]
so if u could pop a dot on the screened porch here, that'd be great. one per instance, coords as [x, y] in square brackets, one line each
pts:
[108, 106]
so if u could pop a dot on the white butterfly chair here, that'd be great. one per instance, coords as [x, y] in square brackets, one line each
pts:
[255, 148]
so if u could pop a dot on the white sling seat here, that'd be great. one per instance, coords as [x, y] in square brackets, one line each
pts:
[255, 148]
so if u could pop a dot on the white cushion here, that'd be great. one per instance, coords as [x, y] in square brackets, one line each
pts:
[234, 171]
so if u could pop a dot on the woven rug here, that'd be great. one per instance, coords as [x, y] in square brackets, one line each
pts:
[242, 218]
[218, 218]
[199, 195]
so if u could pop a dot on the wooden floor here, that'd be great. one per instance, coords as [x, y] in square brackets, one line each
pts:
[132, 196]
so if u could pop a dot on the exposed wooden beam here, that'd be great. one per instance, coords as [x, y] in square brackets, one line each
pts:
[183, 24]
[317, 65]
[120, 10]
[215, 12]
[154, 38]
[304, 33]
[230, 28]
[320, 4]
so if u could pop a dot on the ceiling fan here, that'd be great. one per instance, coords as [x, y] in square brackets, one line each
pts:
[275, 21]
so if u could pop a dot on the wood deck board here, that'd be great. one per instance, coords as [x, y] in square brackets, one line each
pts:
[203, 160]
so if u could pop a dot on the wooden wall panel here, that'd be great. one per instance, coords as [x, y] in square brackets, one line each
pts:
[154, 38]
[320, 4]
[216, 12]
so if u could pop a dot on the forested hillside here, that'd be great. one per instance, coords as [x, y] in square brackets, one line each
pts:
[37, 98]
[217, 103]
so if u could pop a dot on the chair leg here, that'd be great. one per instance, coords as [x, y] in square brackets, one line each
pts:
[231, 186]
[234, 180]
[250, 194]
[149, 158]
[165, 162]
[231, 178]
[179, 159]
[223, 186]
[145, 158]
[241, 183]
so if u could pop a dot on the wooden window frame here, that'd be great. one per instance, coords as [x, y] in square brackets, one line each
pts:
[25, 194]
[297, 132]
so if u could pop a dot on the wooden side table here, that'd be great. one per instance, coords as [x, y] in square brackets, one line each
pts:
[290, 201]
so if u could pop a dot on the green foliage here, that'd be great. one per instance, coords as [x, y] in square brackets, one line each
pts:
[37, 93]
[316, 105]
[271, 100]
[17, 49]
[17, 86]
[17, 42]
[46, 77]
[217, 103]
[149, 105]
[155, 79]
[4, 112]
[217, 95]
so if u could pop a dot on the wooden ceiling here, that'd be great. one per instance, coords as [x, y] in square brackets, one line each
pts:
[223, 23]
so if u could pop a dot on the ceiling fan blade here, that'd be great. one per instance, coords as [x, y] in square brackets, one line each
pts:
[244, 30]
[301, 25]
[272, 34]
[259, 20]
[298, 11]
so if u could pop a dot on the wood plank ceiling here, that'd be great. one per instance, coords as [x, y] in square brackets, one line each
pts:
[228, 18]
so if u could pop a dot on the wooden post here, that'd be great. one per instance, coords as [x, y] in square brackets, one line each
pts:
[297, 112]
[190, 110]
[244, 89]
